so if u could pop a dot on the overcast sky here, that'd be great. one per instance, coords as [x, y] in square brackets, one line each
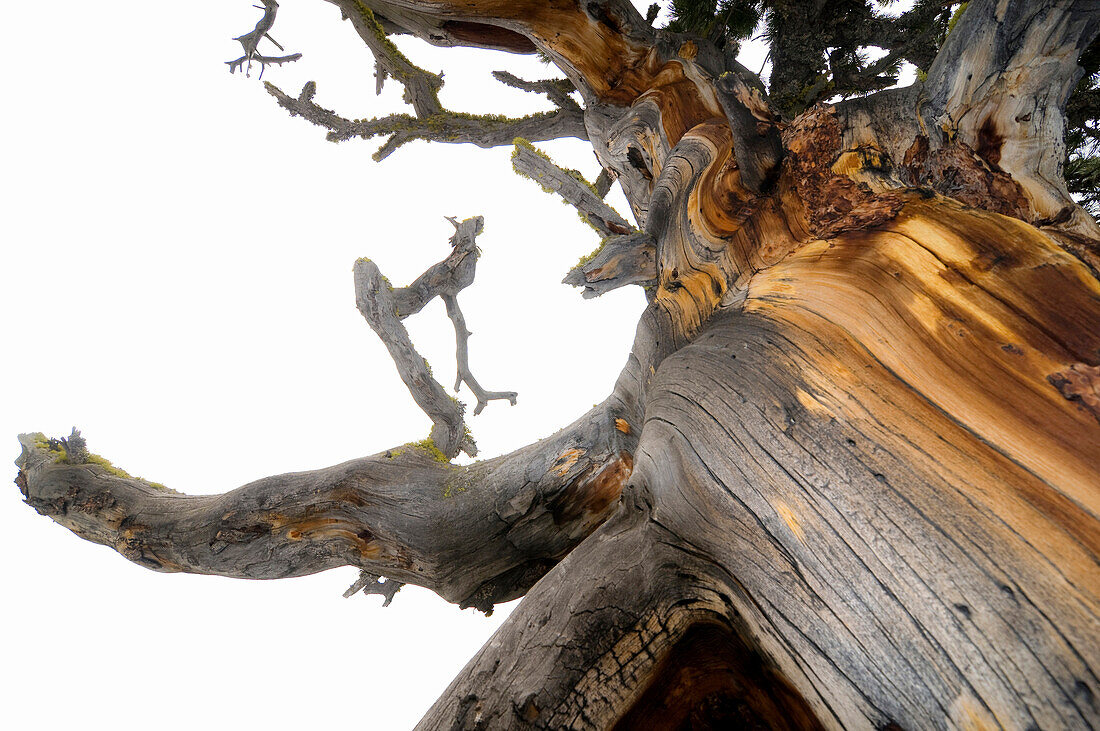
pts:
[176, 282]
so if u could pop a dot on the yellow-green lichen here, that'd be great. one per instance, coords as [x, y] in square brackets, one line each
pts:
[53, 446]
[428, 446]
[61, 456]
[457, 482]
[592, 254]
[107, 466]
[388, 46]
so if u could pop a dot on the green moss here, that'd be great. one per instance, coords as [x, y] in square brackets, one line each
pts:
[922, 76]
[61, 456]
[427, 445]
[379, 33]
[592, 255]
[54, 447]
[107, 466]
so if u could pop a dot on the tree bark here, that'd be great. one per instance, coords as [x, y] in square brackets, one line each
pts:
[850, 475]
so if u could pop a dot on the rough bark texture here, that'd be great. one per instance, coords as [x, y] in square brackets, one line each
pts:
[850, 475]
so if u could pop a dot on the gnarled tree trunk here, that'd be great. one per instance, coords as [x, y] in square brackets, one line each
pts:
[850, 475]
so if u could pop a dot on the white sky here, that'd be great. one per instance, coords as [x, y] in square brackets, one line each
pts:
[176, 282]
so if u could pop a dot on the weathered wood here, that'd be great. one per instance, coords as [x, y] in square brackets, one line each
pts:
[886, 534]
[476, 535]
[1020, 59]
[850, 475]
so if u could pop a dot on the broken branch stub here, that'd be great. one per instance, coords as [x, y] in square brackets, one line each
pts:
[369, 583]
[620, 260]
[384, 307]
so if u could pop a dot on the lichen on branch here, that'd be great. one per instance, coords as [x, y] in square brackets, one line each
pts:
[430, 120]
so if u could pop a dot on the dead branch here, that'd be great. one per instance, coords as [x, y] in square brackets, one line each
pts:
[251, 41]
[476, 535]
[571, 186]
[556, 90]
[384, 307]
[430, 119]
[462, 337]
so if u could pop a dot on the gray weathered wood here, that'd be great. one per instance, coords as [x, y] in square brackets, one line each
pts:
[850, 474]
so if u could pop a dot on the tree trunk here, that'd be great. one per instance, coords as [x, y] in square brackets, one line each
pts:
[850, 476]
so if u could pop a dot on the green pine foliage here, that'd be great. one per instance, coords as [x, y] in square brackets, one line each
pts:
[1082, 167]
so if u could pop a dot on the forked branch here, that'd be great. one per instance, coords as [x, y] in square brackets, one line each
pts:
[384, 307]
[430, 119]
[250, 43]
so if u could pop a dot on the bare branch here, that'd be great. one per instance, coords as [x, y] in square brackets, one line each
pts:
[384, 307]
[603, 182]
[571, 186]
[421, 86]
[462, 337]
[476, 535]
[485, 131]
[556, 90]
[430, 119]
[375, 300]
[250, 42]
